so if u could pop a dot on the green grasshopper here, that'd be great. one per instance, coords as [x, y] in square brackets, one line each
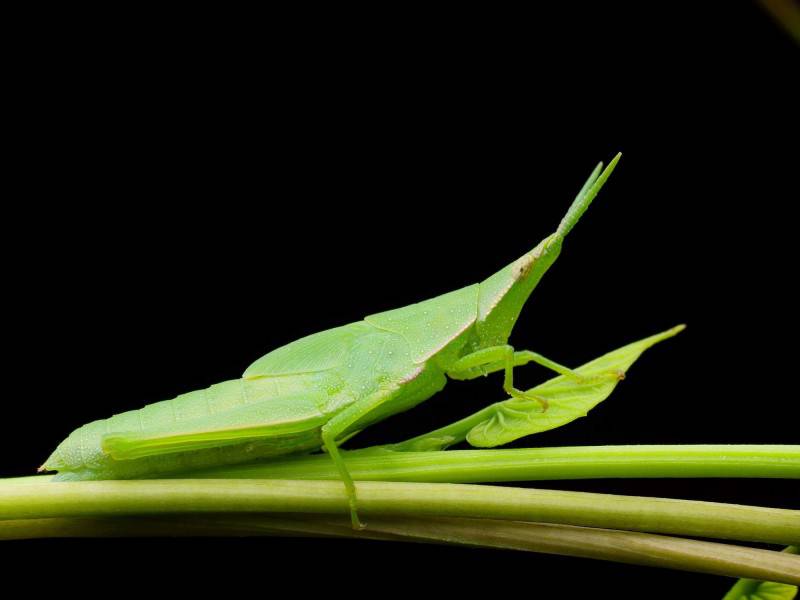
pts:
[322, 389]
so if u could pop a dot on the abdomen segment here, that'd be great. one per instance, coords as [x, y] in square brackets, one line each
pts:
[230, 422]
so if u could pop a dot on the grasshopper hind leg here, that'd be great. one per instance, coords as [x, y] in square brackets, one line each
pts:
[329, 439]
[340, 424]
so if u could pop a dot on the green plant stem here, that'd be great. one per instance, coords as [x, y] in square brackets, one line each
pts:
[522, 464]
[603, 544]
[189, 496]
[532, 464]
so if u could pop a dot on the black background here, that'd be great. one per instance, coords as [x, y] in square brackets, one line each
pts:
[191, 192]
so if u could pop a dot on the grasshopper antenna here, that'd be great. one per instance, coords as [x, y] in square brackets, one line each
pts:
[584, 198]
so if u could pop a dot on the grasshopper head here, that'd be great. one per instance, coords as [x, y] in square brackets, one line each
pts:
[503, 295]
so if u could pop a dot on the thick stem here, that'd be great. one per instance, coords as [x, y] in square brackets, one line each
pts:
[532, 464]
[522, 464]
[188, 496]
[748, 587]
[603, 544]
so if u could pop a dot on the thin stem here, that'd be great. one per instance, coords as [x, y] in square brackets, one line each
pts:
[451, 434]
[188, 496]
[603, 544]
[532, 464]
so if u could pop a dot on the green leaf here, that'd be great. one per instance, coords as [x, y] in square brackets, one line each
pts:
[767, 590]
[750, 589]
[568, 398]
[762, 590]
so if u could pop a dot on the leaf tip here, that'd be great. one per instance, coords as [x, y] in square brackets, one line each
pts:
[677, 329]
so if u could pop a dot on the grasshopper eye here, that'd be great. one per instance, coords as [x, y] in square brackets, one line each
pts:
[524, 266]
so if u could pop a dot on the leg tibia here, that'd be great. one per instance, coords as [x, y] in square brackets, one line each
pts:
[341, 424]
[349, 486]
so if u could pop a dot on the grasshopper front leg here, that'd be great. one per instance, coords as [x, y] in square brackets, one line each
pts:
[497, 358]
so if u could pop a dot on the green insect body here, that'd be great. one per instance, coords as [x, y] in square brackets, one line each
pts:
[322, 389]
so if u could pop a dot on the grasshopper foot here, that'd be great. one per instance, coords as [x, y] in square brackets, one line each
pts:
[358, 524]
[515, 393]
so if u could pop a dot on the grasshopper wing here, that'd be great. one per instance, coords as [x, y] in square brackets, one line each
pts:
[312, 354]
[286, 419]
[429, 326]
